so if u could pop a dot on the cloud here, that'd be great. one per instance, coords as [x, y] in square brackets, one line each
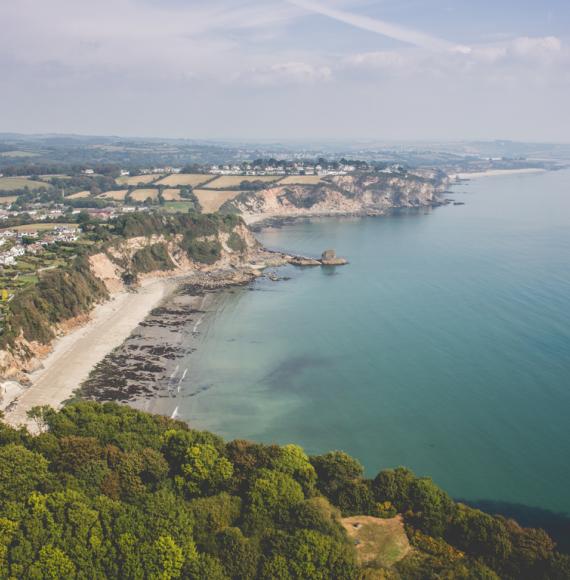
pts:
[288, 73]
[394, 31]
[527, 46]
[139, 39]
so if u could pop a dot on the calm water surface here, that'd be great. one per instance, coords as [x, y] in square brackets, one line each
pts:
[443, 346]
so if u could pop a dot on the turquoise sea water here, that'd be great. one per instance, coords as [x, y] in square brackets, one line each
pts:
[443, 346]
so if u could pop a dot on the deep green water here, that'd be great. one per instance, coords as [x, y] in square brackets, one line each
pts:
[443, 346]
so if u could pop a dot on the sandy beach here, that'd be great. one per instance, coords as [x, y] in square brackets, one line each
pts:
[75, 354]
[496, 173]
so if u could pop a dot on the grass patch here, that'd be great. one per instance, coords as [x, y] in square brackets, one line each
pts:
[79, 195]
[178, 206]
[137, 179]
[180, 179]
[229, 181]
[16, 154]
[211, 201]
[382, 542]
[41, 227]
[11, 183]
[118, 195]
[144, 194]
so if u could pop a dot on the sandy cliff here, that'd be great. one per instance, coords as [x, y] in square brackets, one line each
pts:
[359, 194]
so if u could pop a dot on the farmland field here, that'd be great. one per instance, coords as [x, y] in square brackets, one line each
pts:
[42, 227]
[301, 180]
[79, 195]
[14, 154]
[171, 195]
[178, 206]
[226, 181]
[118, 195]
[211, 201]
[137, 179]
[144, 194]
[10, 183]
[191, 179]
[8, 199]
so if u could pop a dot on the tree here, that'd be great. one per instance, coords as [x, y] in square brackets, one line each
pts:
[166, 560]
[52, 564]
[238, 555]
[205, 470]
[271, 496]
[21, 472]
[291, 459]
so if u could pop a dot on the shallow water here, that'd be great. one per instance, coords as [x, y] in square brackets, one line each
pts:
[443, 346]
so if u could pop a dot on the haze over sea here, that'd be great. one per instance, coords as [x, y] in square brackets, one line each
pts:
[444, 346]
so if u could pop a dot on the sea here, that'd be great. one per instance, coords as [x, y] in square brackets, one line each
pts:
[443, 346]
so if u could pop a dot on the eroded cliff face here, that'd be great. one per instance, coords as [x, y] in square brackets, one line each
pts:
[366, 194]
[116, 267]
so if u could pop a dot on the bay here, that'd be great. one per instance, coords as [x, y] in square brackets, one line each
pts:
[443, 346]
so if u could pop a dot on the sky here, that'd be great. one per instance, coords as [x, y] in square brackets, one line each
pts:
[287, 69]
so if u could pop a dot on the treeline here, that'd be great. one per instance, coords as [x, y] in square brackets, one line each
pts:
[105, 491]
[25, 168]
[59, 295]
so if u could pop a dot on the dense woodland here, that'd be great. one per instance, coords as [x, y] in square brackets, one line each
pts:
[105, 491]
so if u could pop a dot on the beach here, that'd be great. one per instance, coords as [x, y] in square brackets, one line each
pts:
[75, 354]
[497, 173]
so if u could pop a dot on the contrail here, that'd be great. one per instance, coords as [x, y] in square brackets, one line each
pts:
[382, 27]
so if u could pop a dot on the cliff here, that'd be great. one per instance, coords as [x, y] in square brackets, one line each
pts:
[355, 194]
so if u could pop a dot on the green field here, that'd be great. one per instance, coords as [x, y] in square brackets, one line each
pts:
[18, 154]
[11, 183]
[177, 206]
[41, 227]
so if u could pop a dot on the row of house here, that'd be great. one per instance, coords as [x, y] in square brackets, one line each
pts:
[295, 169]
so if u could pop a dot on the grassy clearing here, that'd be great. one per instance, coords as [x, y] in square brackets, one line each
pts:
[211, 201]
[179, 179]
[177, 206]
[15, 154]
[7, 200]
[79, 195]
[137, 179]
[229, 181]
[379, 541]
[171, 195]
[42, 226]
[10, 183]
[144, 194]
[118, 195]
[300, 180]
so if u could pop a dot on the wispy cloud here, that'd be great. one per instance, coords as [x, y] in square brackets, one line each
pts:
[388, 29]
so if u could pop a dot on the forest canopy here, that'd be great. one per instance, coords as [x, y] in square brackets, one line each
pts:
[105, 491]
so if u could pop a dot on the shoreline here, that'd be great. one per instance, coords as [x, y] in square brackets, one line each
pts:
[496, 173]
[75, 354]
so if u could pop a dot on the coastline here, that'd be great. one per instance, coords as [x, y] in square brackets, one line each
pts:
[75, 354]
[497, 173]
[79, 352]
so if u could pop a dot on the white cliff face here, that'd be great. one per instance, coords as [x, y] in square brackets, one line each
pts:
[345, 194]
